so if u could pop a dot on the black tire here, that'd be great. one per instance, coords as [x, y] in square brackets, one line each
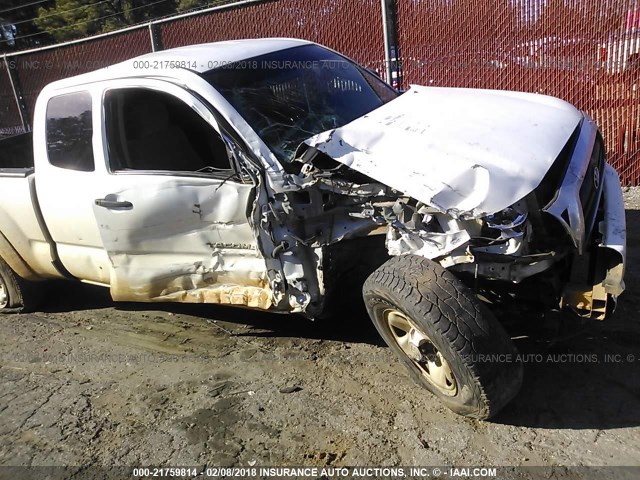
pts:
[473, 361]
[16, 294]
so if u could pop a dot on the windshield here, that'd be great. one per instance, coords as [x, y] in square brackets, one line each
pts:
[293, 94]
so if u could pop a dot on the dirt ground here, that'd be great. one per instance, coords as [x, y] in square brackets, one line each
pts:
[85, 381]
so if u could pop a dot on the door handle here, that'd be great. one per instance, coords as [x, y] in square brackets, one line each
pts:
[114, 204]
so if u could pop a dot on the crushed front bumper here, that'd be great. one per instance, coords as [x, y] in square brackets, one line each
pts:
[597, 276]
[614, 235]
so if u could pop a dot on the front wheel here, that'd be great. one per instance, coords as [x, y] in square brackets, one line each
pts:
[450, 342]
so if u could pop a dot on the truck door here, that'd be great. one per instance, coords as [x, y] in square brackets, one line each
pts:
[67, 177]
[173, 214]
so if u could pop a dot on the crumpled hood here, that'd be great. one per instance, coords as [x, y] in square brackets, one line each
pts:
[467, 152]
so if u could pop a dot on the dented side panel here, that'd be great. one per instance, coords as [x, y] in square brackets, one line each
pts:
[183, 239]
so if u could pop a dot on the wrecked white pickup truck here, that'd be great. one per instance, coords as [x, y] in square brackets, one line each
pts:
[276, 174]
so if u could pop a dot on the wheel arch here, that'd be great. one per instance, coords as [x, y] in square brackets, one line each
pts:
[11, 256]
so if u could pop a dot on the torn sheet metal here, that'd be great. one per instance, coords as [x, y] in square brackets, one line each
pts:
[465, 152]
[222, 278]
[425, 244]
[233, 294]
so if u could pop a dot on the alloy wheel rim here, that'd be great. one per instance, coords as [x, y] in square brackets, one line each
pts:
[422, 352]
[4, 294]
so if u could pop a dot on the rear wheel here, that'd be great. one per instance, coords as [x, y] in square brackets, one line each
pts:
[4, 294]
[450, 342]
[16, 294]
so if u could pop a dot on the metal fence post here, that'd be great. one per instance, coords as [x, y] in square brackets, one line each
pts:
[17, 92]
[155, 34]
[385, 34]
[390, 33]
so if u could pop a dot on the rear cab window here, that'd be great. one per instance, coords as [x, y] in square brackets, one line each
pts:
[69, 132]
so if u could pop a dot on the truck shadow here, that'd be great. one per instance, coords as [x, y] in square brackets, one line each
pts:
[352, 326]
[590, 381]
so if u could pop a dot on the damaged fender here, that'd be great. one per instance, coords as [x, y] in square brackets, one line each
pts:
[183, 239]
[464, 152]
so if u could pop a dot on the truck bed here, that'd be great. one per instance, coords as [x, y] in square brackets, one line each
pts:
[19, 222]
[16, 155]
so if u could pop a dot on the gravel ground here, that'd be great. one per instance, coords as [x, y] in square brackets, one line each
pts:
[88, 382]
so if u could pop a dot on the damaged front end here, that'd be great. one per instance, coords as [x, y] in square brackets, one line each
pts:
[561, 245]
[310, 227]
[508, 190]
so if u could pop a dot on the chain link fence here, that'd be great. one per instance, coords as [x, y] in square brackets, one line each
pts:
[352, 27]
[10, 121]
[583, 51]
[38, 69]
[33, 70]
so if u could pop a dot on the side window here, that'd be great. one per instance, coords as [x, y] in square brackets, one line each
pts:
[384, 91]
[69, 131]
[151, 130]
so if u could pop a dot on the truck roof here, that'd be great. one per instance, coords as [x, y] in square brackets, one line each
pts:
[221, 53]
[199, 58]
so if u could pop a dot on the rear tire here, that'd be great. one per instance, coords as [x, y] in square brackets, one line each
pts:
[16, 294]
[448, 339]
